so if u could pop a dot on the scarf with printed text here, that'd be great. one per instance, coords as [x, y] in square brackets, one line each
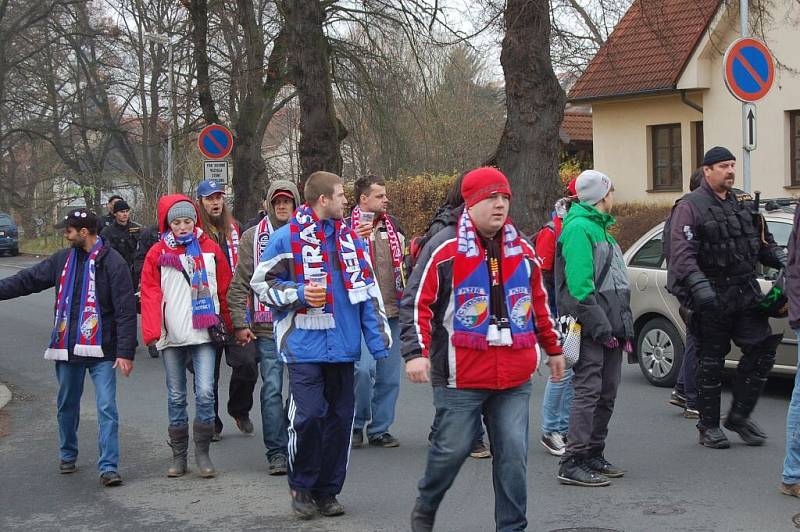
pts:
[261, 313]
[394, 245]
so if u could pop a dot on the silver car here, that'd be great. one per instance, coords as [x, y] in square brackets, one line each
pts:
[660, 331]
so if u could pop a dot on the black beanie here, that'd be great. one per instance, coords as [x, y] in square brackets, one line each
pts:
[716, 155]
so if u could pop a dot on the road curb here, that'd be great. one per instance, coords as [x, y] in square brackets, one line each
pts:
[5, 395]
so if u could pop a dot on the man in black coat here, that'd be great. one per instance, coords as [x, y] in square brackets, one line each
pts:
[94, 331]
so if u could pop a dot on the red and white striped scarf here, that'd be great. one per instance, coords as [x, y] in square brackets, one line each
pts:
[233, 247]
[394, 245]
[261, 313]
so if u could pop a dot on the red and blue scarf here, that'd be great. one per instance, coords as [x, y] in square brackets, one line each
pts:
[204, 314]
[471, 289]
[310, 250]
[90, 340]
[261, 312]
[394, 246]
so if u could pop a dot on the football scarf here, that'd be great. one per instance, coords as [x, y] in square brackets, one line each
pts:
[471, 289]
[261, 313]
[233, 247]
[90, 339]
[310, 250]
[394, 245]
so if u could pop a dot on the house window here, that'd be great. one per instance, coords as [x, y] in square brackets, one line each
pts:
[794, 146]
[667, 165]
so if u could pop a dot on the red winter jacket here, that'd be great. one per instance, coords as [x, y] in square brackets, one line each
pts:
[426, 321]
[166, 295]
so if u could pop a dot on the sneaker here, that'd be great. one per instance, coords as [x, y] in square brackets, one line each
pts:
[479, 450]
[421, 520]
[110, 478]
[358, 438]
[573, 471]
[245, 425]
[278, 465]
[384, 440]
[216, 436]
[554, 443]
[713, 437]
[691, 413]
[65, 468]
[329, 506]
[793, 490]
[678, 399]
[746, 428]
[599, 464]
[303, 505]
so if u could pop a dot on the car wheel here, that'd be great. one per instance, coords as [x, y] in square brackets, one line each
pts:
[15, 252]
[660, 352]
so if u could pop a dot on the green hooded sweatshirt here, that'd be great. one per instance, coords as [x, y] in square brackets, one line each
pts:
[601, 306]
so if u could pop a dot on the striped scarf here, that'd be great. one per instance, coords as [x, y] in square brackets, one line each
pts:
[261, 313]
[394, 246]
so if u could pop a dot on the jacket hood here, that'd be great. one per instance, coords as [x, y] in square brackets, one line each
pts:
[165, 203]
[275, 186]
[584, 210]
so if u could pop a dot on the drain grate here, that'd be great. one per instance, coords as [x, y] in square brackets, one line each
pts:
[664, 510]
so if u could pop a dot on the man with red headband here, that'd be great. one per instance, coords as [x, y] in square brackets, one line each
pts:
[472, 319]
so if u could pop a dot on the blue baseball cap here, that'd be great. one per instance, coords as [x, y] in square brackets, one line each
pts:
[207, 188]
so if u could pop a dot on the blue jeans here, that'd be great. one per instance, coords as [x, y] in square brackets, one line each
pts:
[556, 404]
[377, 386]
[459, 412]
[203, 360]
[273, 417]
[687, 378]
[791, 465]
[70, 388]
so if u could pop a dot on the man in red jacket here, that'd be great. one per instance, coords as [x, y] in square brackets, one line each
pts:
[473, 316]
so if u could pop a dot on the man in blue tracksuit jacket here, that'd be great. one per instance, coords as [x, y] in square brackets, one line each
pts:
[320, 339]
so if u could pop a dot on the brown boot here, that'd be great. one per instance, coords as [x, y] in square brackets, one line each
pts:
[202, 440]
[179, 441]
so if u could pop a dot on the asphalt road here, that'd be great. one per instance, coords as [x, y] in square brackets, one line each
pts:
[672, 483]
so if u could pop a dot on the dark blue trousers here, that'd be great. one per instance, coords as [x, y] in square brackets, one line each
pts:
[320, 411]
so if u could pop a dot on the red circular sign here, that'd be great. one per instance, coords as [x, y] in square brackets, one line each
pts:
[215, 141]
[749, 69]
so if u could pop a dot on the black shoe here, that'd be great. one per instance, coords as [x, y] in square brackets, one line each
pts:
[65, 468]
[303, 505]
[110, 478]
[599, 464]
[358, 438]
[713, 437]
[278, 465]
[153, 351]
[384, 440]
[329, 506]
[421, 520]
[575, 472]
[746, 428]
[245, 425]
[678, 399]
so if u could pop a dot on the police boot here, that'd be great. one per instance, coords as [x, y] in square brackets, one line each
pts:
[202, 440]
[712, 437]
[179, 441]
[746, 428]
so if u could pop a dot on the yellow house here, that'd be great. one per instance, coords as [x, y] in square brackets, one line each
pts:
[659, 99]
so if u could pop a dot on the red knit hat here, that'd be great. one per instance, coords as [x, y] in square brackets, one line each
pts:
[483, 183]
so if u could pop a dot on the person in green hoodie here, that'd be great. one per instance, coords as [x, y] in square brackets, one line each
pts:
[592, 286]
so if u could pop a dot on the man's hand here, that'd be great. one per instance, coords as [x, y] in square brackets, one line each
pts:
[418, 370]
[244, 336]
[363, 230]
[556, 364]
[125, 365]
[315, 295]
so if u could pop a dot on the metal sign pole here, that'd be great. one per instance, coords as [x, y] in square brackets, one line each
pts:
[748, 186]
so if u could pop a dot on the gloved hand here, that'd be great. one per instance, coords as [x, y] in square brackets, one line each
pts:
[703, 295]
[611, 344]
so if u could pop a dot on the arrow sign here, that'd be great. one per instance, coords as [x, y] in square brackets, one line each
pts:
[749, 124]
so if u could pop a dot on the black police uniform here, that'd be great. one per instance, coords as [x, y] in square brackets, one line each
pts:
[715, 246]
[124, 239]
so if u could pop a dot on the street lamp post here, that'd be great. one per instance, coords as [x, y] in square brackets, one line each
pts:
[170, 44]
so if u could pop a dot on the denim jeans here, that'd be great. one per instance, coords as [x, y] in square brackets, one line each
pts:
[203, 360]
[273, 417]
[556, 404]
[377, 386]
[687, 378]
[791, 465]
[70, 388]
[506, 413]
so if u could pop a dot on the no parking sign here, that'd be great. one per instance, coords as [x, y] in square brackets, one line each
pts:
[749, 69]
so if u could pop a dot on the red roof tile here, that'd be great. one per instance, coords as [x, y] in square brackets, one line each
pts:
[577, 127]
[648, 49]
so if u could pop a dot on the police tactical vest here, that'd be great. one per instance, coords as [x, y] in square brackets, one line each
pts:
[728, 235]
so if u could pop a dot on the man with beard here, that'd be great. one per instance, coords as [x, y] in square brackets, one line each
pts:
[94, 332]
[219, 224]
[252, 321]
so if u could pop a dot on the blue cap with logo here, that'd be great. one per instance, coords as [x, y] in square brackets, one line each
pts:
[207, 188]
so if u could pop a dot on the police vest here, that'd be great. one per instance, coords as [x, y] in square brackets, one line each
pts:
[728, 232]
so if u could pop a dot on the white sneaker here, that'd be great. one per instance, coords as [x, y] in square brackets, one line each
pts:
[554, 443]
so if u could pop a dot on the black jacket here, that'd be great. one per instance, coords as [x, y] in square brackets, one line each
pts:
[114, 295]
[148, 237]
[123, 238]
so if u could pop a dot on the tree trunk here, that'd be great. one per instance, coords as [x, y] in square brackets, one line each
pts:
[249, 174]
[321, 132]
[528, 149]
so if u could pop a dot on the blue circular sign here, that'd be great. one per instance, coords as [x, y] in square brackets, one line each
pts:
[215, 141]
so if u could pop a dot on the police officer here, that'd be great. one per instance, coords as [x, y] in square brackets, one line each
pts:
[717, 238]
[123, 234]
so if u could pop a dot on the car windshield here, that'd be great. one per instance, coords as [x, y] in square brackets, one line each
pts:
[6, 220]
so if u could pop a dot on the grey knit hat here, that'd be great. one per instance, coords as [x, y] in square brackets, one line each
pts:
[592, 186]
[182, 209]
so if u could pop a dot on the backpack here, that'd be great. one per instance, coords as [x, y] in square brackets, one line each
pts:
[445, 217]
